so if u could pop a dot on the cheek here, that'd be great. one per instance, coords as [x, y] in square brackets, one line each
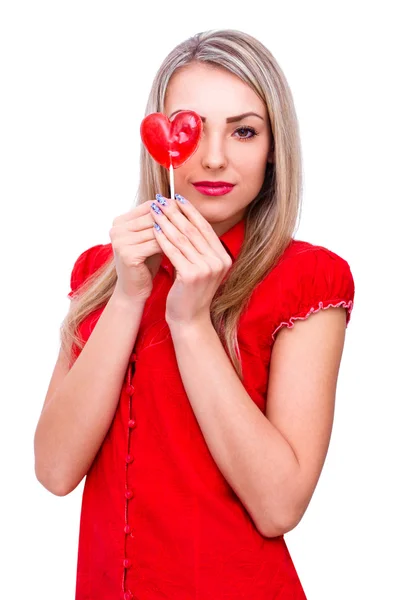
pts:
[254, 168]
[181, 173]
[183, 176]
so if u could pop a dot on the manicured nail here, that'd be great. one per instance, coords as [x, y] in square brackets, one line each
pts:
[158, 228]
[156, 208]
[180, 198]
[161, 200]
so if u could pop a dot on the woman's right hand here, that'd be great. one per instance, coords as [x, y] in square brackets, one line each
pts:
[133, 240]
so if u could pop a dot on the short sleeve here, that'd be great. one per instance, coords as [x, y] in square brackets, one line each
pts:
[314, 279]
[83, 267]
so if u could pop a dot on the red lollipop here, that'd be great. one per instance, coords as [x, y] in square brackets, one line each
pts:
[171, 143]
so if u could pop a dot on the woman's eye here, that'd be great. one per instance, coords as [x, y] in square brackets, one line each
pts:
[244, 130]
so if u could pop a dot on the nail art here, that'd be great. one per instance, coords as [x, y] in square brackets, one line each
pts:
[157, 227]
[161, 200]
[156, 208]
[180, 198]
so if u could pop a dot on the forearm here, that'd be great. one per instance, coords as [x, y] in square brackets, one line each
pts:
[73, 425]
[253, 456]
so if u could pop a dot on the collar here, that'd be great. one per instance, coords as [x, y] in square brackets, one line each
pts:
[232, 240]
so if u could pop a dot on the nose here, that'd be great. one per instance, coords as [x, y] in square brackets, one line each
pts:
[213, 152]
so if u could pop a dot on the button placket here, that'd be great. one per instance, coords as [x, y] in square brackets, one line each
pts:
[129, 458]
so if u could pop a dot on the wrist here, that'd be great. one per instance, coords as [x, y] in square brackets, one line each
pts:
[182, 329]
[128, 303]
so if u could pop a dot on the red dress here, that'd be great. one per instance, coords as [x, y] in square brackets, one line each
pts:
[158, 518]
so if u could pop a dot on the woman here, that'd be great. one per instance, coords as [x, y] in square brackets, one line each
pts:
[191, 387]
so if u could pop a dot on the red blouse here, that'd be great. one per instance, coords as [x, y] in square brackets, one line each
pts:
[158, 518]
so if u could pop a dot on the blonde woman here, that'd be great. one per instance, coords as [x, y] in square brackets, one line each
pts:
[196, 380]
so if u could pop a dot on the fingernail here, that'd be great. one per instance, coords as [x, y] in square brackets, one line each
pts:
[156, 208]
[180, 198]
[158, 228]
[161, 200]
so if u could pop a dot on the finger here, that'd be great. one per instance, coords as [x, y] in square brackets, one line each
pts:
[177, 243]
[190, 230]
[181, 263]
[139, 237]
[193, 215]
[140, 223]
[183, 234]
[137, 211]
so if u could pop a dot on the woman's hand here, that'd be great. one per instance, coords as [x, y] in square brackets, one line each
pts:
[199, 258]
[134, 246]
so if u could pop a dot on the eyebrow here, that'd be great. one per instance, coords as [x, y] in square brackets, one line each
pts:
[229, 119]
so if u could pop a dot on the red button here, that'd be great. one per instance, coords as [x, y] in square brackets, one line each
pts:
[129, 390]
[129, 458]
[126, 563]
[127, 529]
[131, 423]
[128, 596]
[129, 494]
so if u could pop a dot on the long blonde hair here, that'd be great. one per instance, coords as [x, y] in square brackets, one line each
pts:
[270, 219]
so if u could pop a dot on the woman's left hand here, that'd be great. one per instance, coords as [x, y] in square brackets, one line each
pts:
[198, 256]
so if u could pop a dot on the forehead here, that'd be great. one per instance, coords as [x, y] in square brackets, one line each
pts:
[210, 91]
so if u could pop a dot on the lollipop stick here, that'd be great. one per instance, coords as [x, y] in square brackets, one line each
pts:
[172, 182]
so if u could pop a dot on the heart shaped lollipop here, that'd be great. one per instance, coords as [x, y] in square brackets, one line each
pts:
[171, 142]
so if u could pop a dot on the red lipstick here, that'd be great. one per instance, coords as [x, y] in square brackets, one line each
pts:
[214, 188]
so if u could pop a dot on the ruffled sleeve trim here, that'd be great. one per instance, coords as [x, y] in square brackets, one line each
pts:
[322, 306]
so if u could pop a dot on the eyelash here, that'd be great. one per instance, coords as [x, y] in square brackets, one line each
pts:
[251, 129]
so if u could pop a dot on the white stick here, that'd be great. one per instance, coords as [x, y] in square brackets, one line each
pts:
[172, 182]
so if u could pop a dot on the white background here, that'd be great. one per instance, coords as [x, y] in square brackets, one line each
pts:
[74, 82]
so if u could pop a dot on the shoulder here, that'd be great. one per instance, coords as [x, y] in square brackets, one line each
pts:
[304, 254]
[309, 278]
[87, 263]
[302, 261]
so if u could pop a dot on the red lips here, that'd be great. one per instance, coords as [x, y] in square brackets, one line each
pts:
[214, 183]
